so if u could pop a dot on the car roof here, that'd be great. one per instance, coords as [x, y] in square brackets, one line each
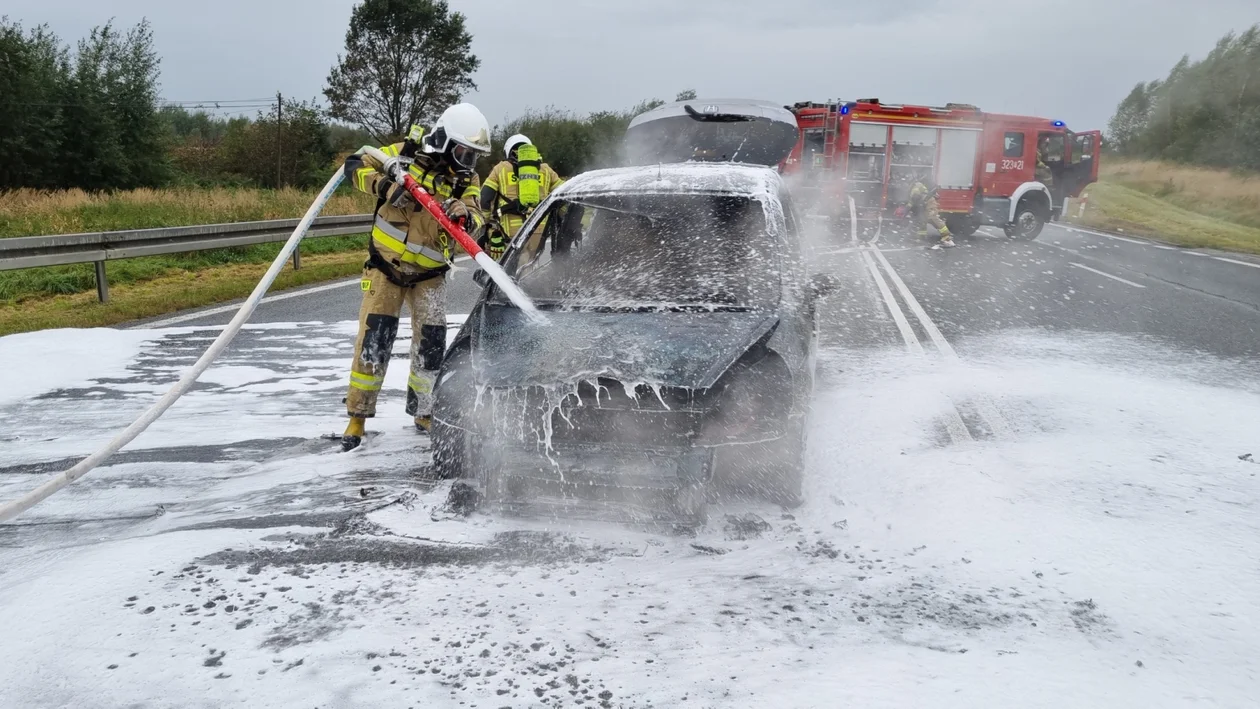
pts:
[753, 181]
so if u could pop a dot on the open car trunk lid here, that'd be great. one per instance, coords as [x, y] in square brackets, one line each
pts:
[712, 130]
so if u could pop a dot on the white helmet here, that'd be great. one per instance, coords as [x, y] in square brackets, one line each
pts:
[514, 142]
[462, 133]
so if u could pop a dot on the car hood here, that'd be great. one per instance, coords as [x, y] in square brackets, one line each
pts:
[686, 350]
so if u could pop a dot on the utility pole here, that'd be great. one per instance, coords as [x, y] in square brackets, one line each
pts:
[279, 138]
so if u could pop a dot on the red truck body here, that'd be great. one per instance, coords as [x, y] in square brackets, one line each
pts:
[984, 164]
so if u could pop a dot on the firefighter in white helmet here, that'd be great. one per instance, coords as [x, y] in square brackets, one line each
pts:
[514, 188]
[408, 257]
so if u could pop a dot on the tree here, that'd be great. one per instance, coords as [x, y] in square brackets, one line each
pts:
[33, 69]
[1125, 129]
[306, 154]
[405, 61]
[571, 143]
[686, 95]
[1204, 112]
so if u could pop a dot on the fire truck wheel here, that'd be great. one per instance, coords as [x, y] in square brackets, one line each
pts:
[1029, 220]
[962, 225]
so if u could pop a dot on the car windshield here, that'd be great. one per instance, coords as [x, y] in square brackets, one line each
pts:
[666, 251]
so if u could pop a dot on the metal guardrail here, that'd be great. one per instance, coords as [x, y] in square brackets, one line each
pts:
[99, 247]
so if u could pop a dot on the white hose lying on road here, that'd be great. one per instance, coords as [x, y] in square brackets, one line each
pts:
[16, 507]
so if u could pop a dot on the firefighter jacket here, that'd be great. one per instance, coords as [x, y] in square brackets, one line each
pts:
[920, 195]
[407, 243]
[506, 204]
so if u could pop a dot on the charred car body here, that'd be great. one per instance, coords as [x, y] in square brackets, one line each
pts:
[677, 360]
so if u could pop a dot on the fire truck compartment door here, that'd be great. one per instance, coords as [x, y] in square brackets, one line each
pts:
[957, 170]
[715, 130]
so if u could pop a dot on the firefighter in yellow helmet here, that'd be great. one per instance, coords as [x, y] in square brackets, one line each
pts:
[1042, 172]
[926, 210]
[408, 257]
[514, 188]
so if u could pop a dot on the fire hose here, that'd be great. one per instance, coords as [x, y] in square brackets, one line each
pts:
[17, 506]
[398, 172]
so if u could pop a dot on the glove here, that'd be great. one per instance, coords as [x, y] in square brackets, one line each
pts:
[456, 210]
[394, 194]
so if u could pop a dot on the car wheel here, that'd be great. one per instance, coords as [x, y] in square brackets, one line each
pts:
[785, 486]
[452, 455]
[450, 452]
[1029, 221]
[691, 505]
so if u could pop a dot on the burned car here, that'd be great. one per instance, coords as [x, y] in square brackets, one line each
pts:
[676, 361]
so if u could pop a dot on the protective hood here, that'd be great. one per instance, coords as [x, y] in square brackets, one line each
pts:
[712, 130]
[687, 350]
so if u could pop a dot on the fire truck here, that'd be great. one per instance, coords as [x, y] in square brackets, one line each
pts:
[985, 165]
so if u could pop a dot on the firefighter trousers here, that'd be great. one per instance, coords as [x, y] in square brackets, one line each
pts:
[930, 213]
[378, 326]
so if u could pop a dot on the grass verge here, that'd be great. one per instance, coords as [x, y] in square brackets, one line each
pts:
[1228, 195]
[35, 213]
[168, 293]
[1115, 207]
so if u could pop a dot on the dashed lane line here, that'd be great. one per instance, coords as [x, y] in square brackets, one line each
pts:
[1107, 275]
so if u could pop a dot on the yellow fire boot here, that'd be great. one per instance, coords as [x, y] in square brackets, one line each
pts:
[354, 434]
[424, 423]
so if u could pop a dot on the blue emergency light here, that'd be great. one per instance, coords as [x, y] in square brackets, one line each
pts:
[844, 110]
[1059, 124]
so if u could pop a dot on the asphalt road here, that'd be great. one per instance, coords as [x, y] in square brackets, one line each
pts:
[1072, 280]
[994, 521]
[330, 302]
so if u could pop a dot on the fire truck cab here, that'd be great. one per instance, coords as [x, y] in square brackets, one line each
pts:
[990, 169]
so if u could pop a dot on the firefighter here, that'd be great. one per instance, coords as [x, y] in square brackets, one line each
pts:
[408, 257]
[926, 210]
[1042, 172]
[514, 188]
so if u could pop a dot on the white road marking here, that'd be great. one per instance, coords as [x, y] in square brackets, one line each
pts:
[1107, 275]
[992, 417]
[186, 317]
[1240, 263]
[954, 424]
[853, 220]
[237, 306]
[899, 316]
[1139, 242]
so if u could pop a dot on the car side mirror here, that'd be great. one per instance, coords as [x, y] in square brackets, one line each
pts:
[481, 278]
[823, 284]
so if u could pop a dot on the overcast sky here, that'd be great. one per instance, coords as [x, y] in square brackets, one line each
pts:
[1067, 59]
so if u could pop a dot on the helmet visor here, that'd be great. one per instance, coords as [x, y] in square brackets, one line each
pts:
[464, 156]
